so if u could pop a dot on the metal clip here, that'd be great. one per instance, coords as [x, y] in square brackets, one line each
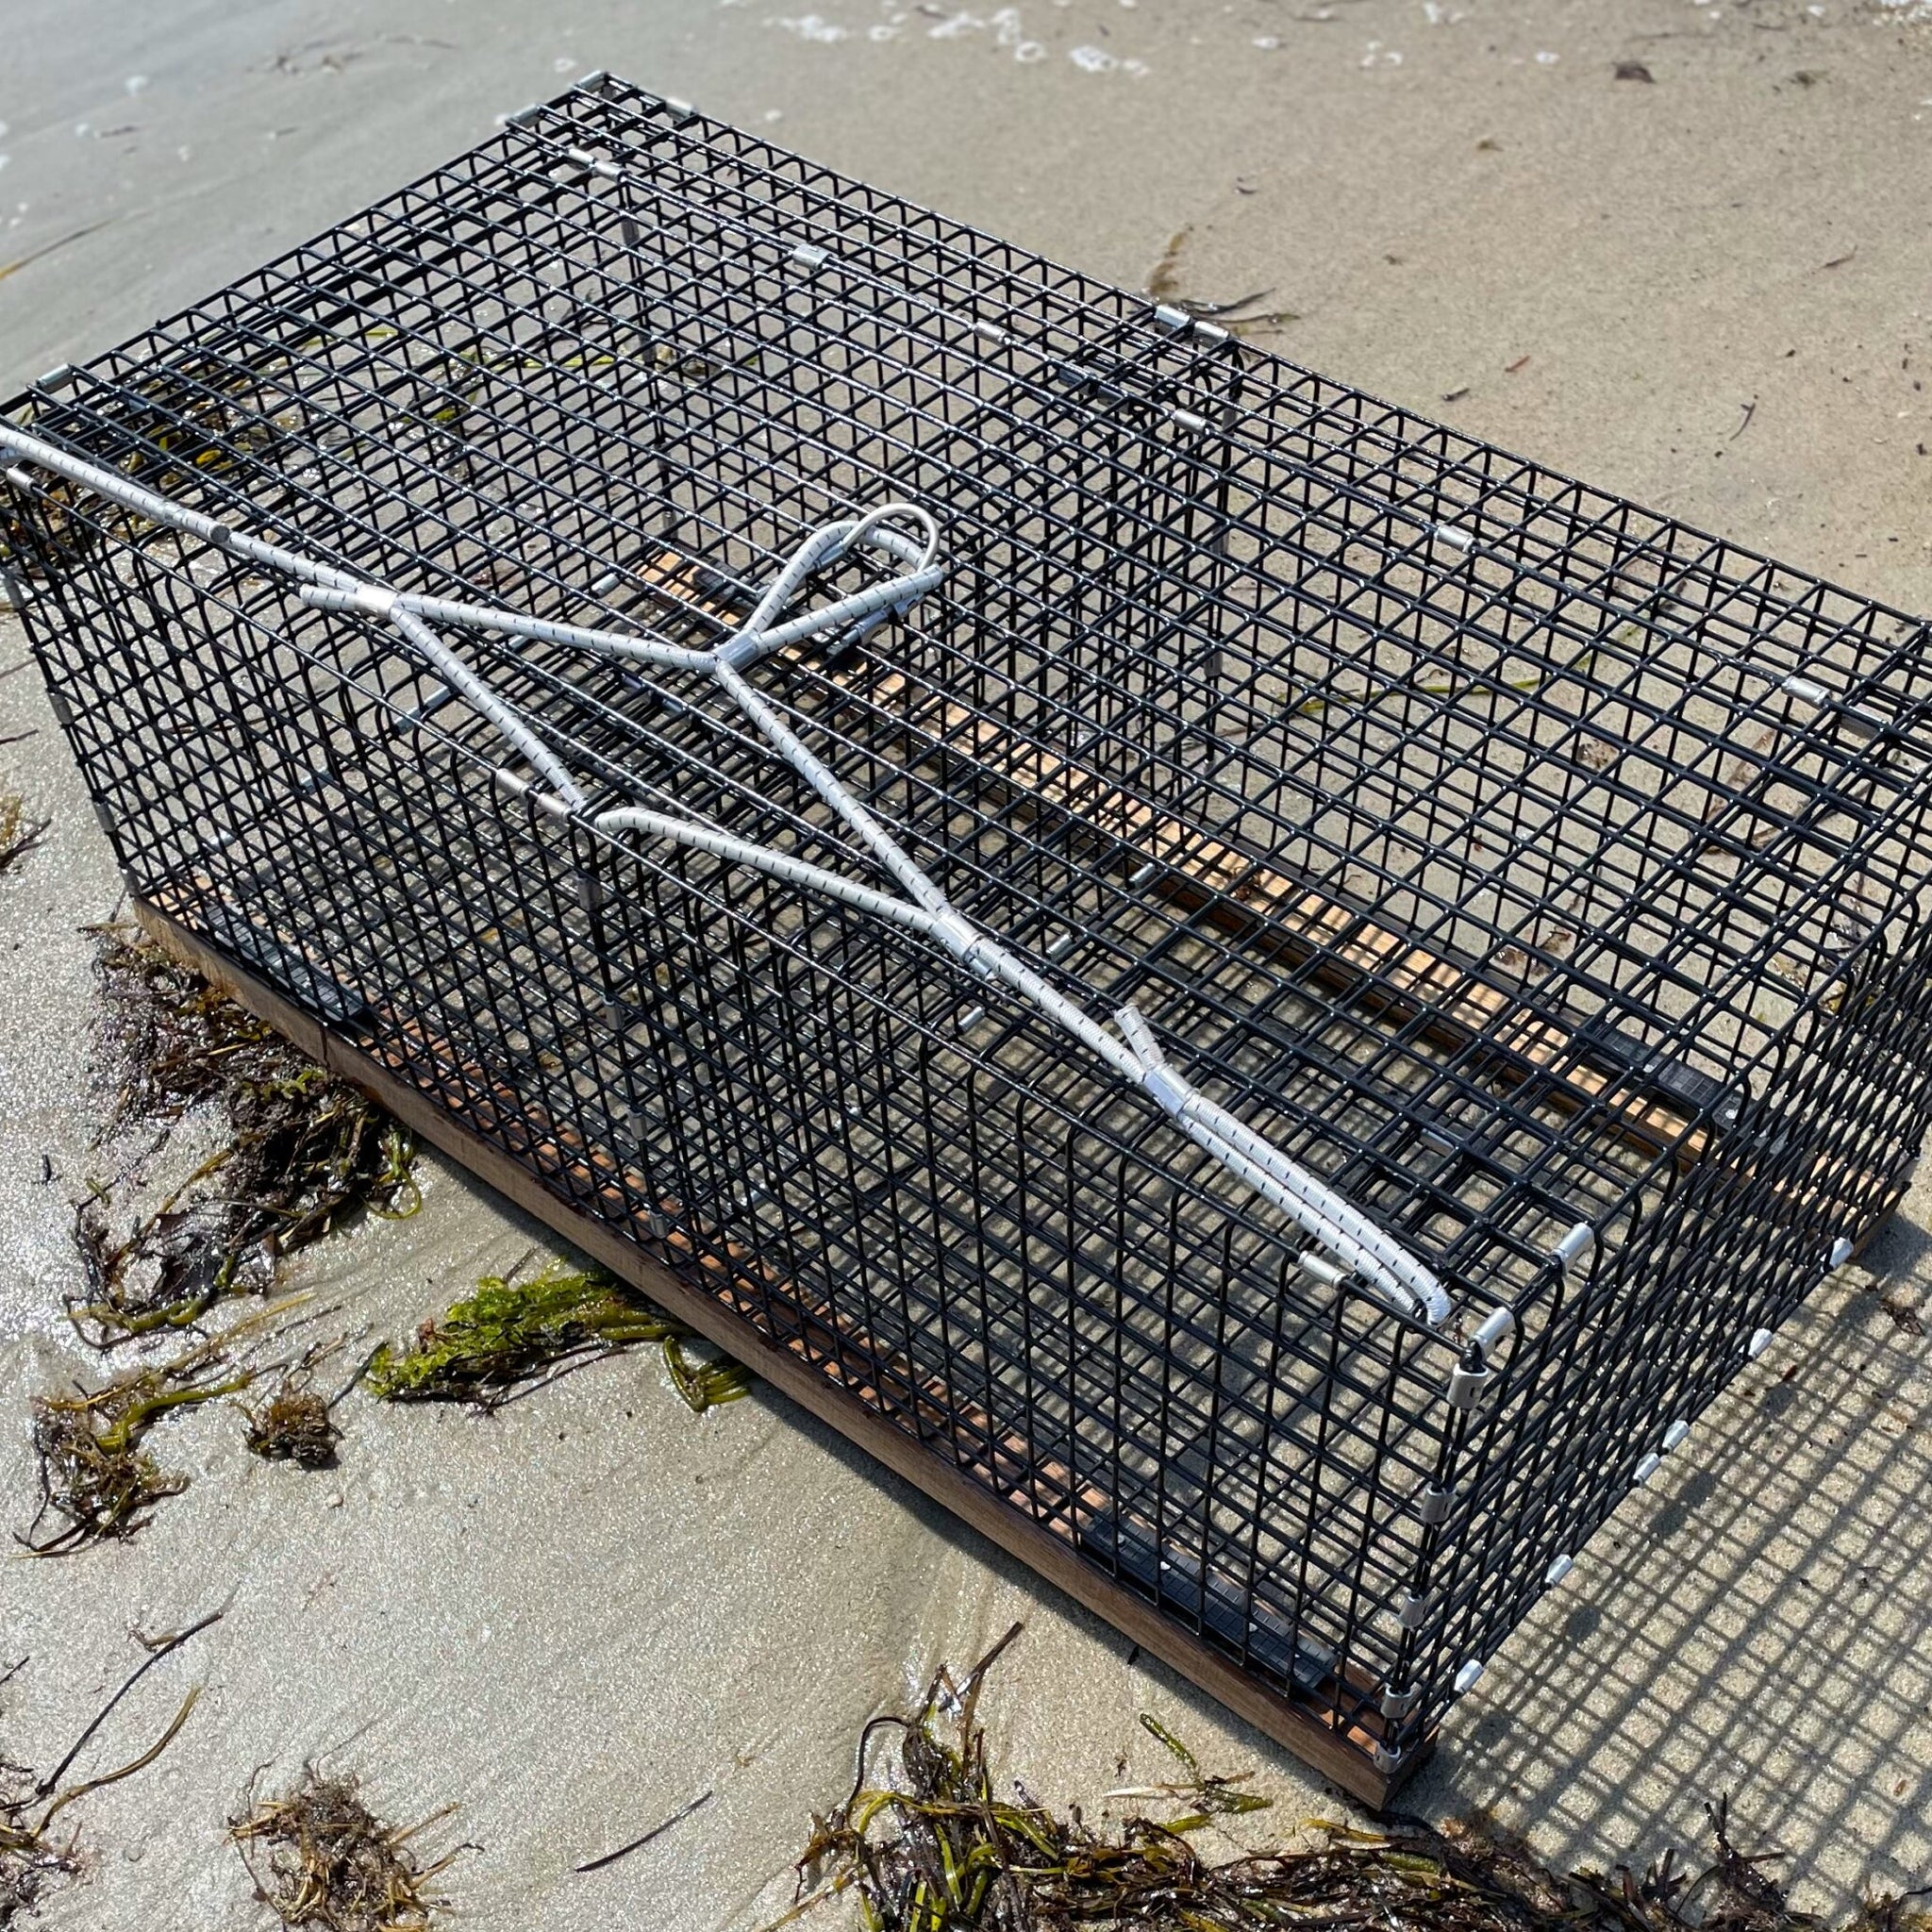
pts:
[1497, 1327]
[1396, 1705]
[1575, 1245]
[1412, 1611]
[1320, 1267]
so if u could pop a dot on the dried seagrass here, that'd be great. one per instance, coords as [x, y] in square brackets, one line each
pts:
[940, 1850]
[20, 832]
[35, 1860]
[321, 1858]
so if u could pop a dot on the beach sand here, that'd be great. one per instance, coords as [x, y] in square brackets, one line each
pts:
[1706, 291]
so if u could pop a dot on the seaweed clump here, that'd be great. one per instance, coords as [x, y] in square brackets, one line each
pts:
[31, 1865]
[297, 1151]
[939, 1850]
[320, 1857]
[19, 833]
[508, 1332]
[294, 1425]
[94, 1474]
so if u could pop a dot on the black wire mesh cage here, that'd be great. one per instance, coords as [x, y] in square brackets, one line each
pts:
[1277, 997]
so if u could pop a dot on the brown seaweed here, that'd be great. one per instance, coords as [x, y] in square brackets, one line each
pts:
[294, 1425]
[299, 1152]
[319, 1856]
[939, 1849]
[19, 831]
[34, 1860]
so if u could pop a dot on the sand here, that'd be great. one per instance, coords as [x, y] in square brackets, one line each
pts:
[1706, 291]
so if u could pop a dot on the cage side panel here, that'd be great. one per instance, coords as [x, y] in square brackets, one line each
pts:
[1641, 1345]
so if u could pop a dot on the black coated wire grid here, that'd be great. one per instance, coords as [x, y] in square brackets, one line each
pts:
[1544, 875]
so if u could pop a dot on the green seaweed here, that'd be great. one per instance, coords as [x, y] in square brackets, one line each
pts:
[96, 1480]
[1210, 1796]
[508, 1331]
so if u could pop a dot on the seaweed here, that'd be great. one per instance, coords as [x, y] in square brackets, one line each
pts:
[32, 1861]
[294, 1425]
[39, 544]
[1210, 1796]
[319, 1856]
[1236, 317]
[507, 1332]
[30, 1866]
[299, 1151]
[19, 833]
[95, 1477]
[939, 1850]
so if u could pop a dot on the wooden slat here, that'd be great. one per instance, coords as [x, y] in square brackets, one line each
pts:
[1247, 898]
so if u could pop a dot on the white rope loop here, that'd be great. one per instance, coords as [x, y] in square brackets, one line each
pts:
[1133, 1054]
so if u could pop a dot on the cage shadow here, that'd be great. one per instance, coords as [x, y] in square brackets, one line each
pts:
[1757, 1627]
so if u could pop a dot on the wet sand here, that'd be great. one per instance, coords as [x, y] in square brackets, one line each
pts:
[575, 1617]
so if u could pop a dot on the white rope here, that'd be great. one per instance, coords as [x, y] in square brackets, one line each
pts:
[1131, 1052]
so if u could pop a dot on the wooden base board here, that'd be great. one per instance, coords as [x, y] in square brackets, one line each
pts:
[1297, 1730]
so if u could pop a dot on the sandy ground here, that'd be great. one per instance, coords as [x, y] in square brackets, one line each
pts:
[1708, 290]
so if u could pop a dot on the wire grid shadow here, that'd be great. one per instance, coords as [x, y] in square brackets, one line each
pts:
[1753, 1629]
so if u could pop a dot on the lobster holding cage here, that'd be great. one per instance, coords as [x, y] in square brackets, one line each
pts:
[1264, 999]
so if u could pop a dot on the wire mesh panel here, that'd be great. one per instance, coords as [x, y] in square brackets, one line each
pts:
[1539, 876]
